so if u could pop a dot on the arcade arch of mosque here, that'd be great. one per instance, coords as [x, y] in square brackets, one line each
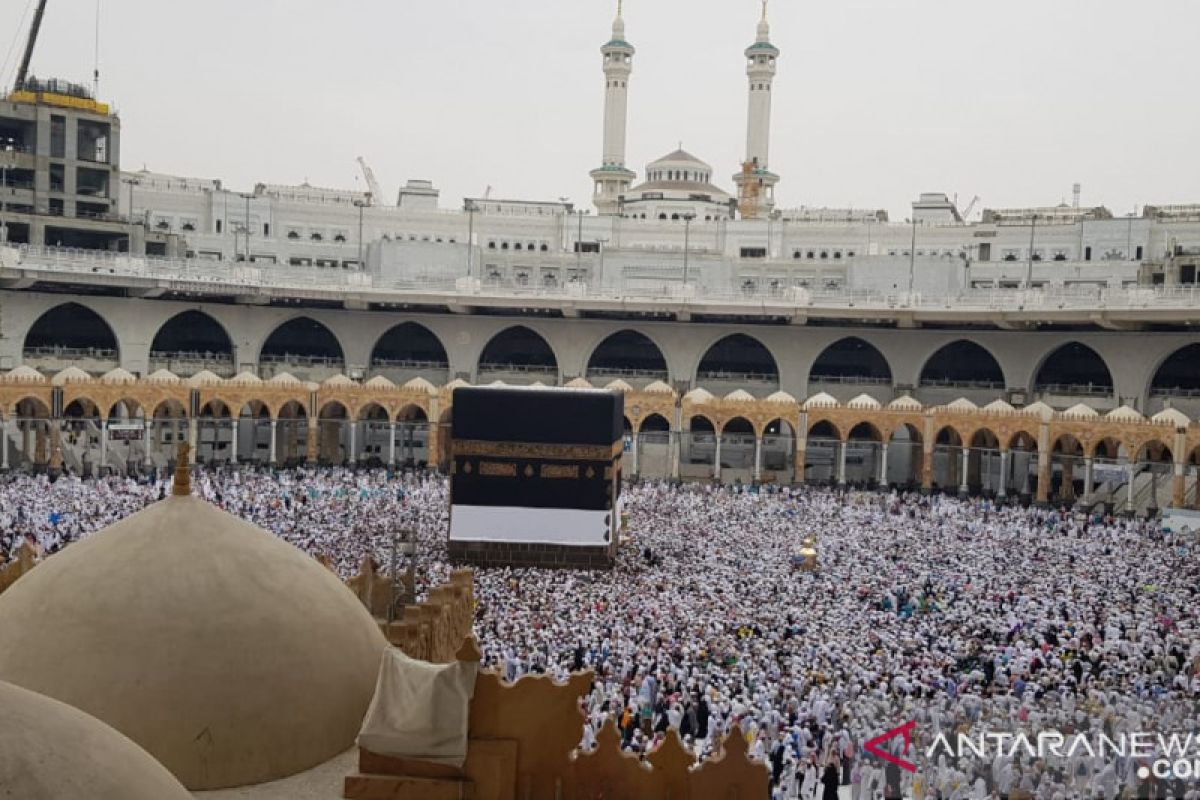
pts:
[1146, 370]
[118, 421]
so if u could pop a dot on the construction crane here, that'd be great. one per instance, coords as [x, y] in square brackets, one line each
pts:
[372, 184]
[966, 215]
[23, 70]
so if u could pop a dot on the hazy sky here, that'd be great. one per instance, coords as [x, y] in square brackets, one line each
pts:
[876, 100]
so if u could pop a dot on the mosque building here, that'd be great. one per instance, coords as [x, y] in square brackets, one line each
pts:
[214, 299]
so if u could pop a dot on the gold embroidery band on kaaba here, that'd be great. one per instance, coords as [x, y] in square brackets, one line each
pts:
[496, 469]
[554, 452]
[568, 471]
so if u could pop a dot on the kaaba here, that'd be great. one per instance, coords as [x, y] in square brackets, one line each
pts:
[535, 476]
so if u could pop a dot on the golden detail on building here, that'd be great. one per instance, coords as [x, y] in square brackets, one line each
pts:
[559, 471]
[497, 469]
[556, 452]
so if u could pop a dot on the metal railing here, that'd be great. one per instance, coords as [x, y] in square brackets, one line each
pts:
[71, 353]
[197, 274]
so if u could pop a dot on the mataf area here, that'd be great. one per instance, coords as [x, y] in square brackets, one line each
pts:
[953, 612]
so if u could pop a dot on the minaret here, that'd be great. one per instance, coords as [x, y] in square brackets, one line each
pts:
[612, 179]
[756, 183]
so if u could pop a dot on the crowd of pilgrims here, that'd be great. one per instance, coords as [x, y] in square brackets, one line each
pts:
[960, 615]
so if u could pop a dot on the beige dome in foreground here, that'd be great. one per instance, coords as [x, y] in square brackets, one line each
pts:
[229, 655]
[50, 751]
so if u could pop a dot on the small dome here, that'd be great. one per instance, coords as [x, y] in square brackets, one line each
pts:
[962, 405]
[999, 407]
[1173, 416]
[118, 376]
[905, 403]
[420, 385]
[245, 378]
[163, 377]
[659, 387]
[579, 383]
[1124, 414]
[457, 383]
[781, 397]
[619, 386]
[203, 378]
[340, 381]
[380, 382]
[1039, 410]
[1081, 411]
[284, 379]
[232, 657]
[23, 374]
[740, 396]
[821, 400]
[49, 751]
[699, 396]
[70, 375]
[865, 402]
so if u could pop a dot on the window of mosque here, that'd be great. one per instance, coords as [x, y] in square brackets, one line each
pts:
[837, 253]
[662, 216]
[316, 237]
[545, 248]
[517, 246]
[812, 254]
[504, 245]
[850, 254]
[824, 254]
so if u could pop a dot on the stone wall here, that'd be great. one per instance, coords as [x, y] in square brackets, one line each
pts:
[522, 744]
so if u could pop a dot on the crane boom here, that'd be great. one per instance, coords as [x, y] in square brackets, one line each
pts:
[23, 70]
[372, 184]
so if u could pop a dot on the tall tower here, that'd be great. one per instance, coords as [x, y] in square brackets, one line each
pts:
[612, 178]
[755, 182]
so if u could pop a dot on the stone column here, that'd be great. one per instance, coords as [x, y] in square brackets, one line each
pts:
[841, 463]
[1129, 471]
[1179, 487]
[758, 458]
[927, 468]
[883, 464]
[4, 444]
[1002, 492]
[675, 440]
[103, 447]
[149, 432]
[798, 464]
[1089, 473]
[350, 456]
[1044, 464]
[193, 439]
[310, 445]
[717, 459]
[964, 488]
[637, 467]
[274, 456]
[1068, 479]
[392, 444]
[233, 439]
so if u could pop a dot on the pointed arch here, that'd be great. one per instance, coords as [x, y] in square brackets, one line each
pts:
[409, 345]
[1076, 369]
[192, 336]
[72, 327]
[738, 357]
[851, 360]
[519, 349]
[628, 353]
[963, 364]
[1179, 374]
[302, 339]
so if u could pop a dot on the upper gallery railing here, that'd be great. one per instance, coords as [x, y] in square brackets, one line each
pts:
[214, 277]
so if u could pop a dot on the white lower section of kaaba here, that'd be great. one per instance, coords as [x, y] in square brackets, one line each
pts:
[565, 526]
